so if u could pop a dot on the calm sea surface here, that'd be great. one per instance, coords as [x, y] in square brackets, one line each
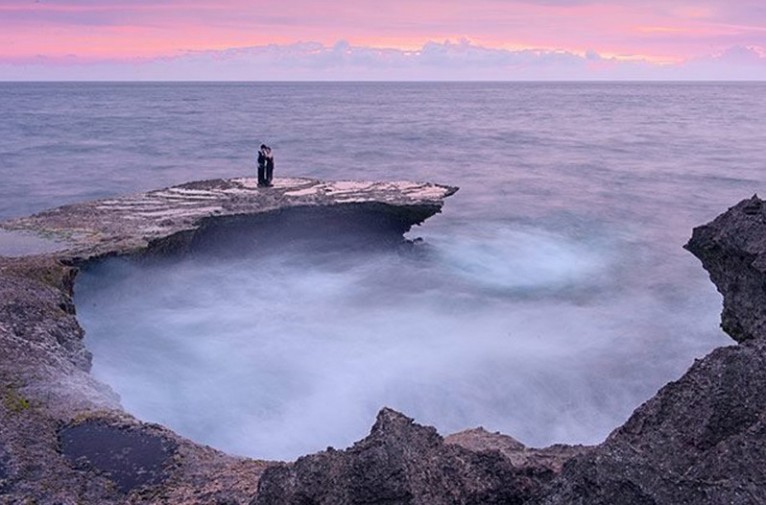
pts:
[548, 300]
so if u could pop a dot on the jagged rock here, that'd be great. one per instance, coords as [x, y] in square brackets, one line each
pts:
[552, 458]
[401, 462]
[732, 249]
[700, 440]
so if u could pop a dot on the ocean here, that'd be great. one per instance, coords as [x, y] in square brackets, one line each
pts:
[548, 300]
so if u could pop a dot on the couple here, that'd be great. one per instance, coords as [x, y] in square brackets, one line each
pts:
[265, 166]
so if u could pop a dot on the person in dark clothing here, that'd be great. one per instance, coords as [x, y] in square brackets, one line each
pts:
[262, 181]
[269, 165]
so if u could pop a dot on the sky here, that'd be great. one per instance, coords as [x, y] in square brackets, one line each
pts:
[382, 39]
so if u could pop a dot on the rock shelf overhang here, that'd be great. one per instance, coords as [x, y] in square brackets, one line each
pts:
[131, 224]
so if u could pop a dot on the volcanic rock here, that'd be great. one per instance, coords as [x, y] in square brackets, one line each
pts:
[404, 463]
[701, 439]
[732, 249]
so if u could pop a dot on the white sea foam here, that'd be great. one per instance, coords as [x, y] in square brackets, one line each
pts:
[510, 259]
[280, 354]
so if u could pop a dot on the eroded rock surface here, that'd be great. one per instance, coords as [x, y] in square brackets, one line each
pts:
[732, 249]
[171, 216]
[520, 456]
[700, 440]
[46, 393]
[404, 463]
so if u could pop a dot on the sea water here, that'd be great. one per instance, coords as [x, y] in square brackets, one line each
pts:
[549, 299]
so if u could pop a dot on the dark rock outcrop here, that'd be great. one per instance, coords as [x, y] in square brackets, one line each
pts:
[403, 463]
[732, 249]
[700, 440]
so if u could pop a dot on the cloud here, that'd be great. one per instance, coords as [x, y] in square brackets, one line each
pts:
[446, 60]
[735, 63]
[658, 30]
[742, 56]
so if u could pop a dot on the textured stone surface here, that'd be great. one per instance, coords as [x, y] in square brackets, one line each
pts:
[3, 469]
[404, 463]
[700, 440]
[134, 223]
[45, 384]
[732, 249]
[520, 456]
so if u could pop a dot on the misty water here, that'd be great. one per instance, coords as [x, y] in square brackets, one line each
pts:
[549, 299]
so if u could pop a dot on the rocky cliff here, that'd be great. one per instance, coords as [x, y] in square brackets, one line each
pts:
[64, 438]
[732, 249]
[701, 439]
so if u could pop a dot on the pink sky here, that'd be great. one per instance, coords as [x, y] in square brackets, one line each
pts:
[397, 39]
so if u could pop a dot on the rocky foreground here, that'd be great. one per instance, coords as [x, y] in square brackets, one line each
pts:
[64, 438]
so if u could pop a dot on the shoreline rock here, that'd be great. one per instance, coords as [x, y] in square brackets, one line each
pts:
[732, 248]
[49, 403]
[172, 216]
[403, 462]
[699, 440]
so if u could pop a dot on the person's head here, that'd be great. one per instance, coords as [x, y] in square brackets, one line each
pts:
[263, 147]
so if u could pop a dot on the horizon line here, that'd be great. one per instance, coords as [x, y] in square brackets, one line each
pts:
[373, 81]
